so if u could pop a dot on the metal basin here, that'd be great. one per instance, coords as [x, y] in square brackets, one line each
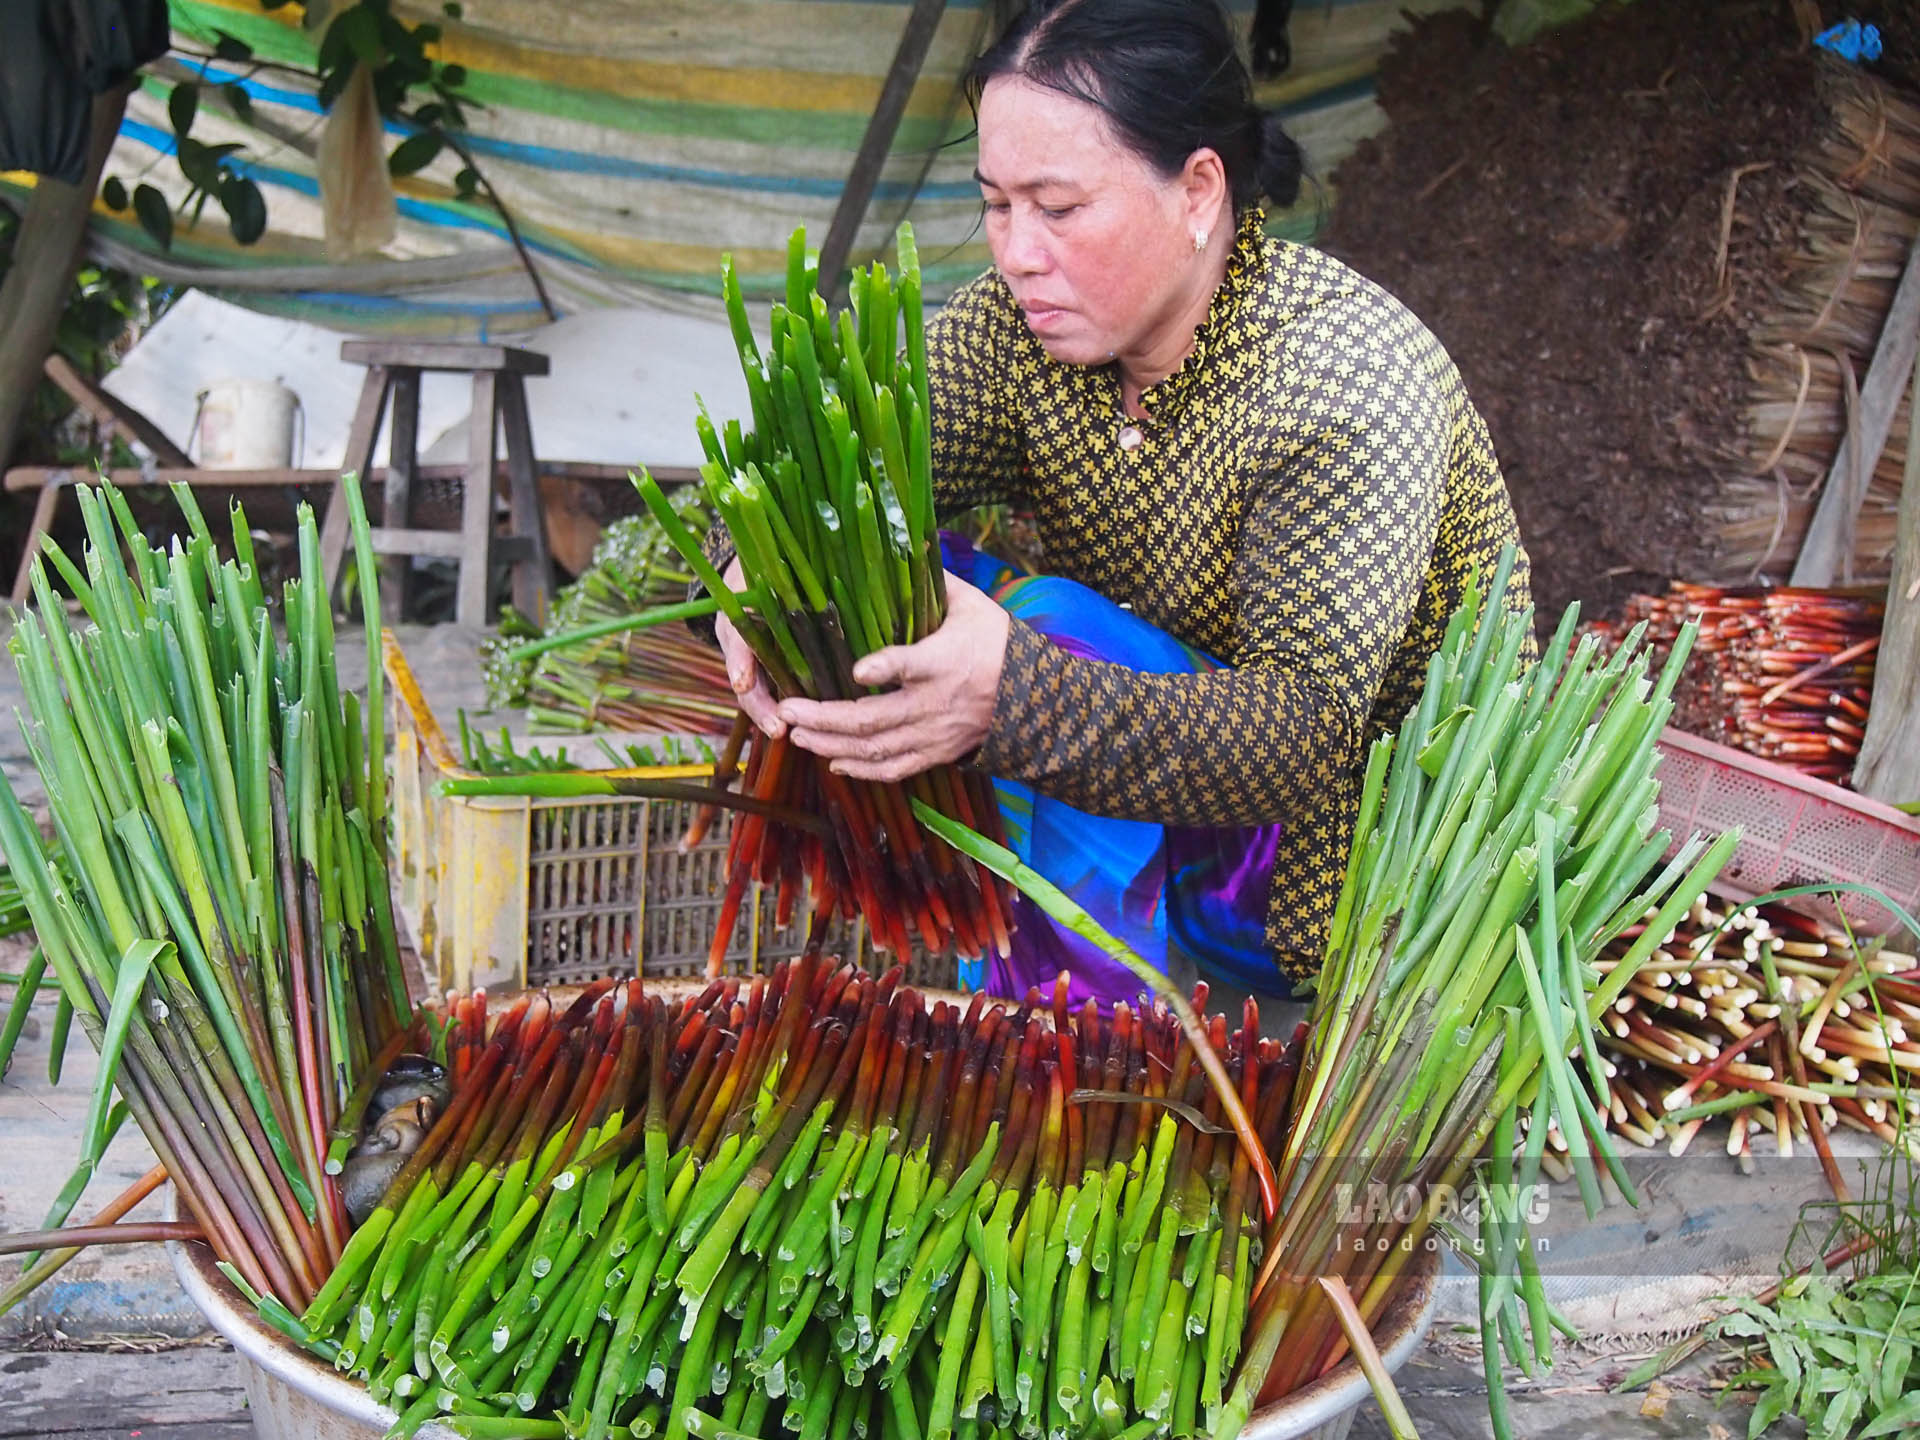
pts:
[295, 1397]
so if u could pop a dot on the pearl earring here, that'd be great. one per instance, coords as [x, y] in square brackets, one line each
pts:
[1199, 241]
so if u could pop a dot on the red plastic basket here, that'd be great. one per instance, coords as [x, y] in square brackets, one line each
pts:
[1795, 830]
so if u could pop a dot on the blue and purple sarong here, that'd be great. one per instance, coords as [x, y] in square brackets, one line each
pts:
[1199, 891]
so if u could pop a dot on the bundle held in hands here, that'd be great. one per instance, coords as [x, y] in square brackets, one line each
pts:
[216, 910]
[828, 499]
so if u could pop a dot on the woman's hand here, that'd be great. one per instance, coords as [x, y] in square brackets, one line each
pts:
[940, 711]
[749, 681]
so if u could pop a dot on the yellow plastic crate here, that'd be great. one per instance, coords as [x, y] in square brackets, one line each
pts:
[516, 891]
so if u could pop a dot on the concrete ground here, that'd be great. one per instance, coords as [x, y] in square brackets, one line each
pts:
[111, 1348]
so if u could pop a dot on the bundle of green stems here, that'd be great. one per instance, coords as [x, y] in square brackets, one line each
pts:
[828, 501]
[214, 908]
[817, 1204]
[1506, 835]
[598, 663]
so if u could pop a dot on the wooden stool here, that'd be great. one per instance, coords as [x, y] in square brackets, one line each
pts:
[499, 398]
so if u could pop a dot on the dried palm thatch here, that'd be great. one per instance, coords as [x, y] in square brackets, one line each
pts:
[1859, 182]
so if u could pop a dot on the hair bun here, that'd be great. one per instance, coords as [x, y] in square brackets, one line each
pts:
[1280, 164]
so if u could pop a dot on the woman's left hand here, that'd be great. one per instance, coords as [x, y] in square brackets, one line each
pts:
[940, 710]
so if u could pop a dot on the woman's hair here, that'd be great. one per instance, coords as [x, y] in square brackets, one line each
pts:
[1167, 76]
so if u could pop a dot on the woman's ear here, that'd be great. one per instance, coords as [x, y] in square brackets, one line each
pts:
[1204, 183]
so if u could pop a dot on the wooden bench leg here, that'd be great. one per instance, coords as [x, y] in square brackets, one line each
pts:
[476, 505]
[44, 509]
[359, 460]
[402, 459]
[533, 573]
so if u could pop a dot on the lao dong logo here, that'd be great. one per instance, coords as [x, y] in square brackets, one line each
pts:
[1381, 1203]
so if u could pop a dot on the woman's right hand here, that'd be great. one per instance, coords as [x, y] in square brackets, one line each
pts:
[749, 681]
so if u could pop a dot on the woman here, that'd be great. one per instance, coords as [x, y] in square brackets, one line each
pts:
[1236, 441]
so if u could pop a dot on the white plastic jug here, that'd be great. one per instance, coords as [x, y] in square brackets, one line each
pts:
[245, 425]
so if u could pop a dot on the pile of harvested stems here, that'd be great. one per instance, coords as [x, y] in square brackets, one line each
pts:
[603, 662]
[1860, 177]
[1505, 839]
[829, 502]
[1782, 673]
[218, 917]
[1790, 1027]
[819, 1203]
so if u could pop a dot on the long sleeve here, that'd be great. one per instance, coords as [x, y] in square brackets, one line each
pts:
[1333, 554]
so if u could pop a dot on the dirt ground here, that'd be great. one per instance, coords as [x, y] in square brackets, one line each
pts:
[1557, 215]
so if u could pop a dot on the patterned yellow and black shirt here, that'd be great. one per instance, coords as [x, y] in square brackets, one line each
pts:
[1312, 491]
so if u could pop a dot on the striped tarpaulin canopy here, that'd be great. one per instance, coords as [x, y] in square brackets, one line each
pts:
[634, 142]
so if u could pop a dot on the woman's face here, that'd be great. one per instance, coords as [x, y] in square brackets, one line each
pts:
[1096, 245]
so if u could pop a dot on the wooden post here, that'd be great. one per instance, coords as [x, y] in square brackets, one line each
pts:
[46, 252]
[1889, 764]
[1826, 555]
[915, 39]
[476, 503]
[403, 458]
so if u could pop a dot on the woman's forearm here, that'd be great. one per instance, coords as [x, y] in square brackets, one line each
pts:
[1228, 747]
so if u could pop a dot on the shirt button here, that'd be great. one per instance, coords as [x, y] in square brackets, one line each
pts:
[1131, 438]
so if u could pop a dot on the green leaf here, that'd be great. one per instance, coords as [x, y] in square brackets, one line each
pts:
[246, 208]
[1771, 1405]
[1845, 1407]
[1890, 1375]
[114, 193]
[97, 1131]
[359, 27]
[1838, 1348]
[238, 101]
[414, 153]
[156, 216]
[452, 9]
[1899, 1417]
[1786, 1357]
[182, 105]
[199, 165]
[232, 48]
[1433, 755]
[467, 183]
[1823, 1380]
[453, 76]
[127, 984]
